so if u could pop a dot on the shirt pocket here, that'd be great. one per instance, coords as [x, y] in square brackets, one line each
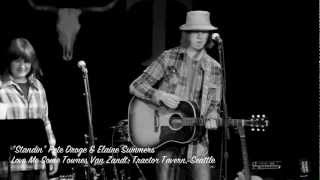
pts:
[214, 92]
[212, 85]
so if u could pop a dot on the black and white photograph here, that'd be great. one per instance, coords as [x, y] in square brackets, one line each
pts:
[159, 90]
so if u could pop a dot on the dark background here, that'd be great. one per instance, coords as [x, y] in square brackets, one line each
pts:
[271, 65]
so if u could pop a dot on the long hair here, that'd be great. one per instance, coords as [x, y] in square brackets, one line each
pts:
[185, 40]
[21, 47]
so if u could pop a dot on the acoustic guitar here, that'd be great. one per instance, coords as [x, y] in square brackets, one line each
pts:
[150, 125]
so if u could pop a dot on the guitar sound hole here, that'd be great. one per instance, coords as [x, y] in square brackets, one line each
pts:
[175, 121]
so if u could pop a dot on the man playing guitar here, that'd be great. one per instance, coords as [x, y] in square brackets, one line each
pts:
[185, 73]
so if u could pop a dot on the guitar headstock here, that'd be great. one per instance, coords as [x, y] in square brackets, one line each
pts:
[258, 122]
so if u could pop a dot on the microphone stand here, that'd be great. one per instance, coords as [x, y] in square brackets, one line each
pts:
[90, 171]
[225, 122]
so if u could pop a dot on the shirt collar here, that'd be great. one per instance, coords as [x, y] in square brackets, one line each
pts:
[204, 57]
[8, 81]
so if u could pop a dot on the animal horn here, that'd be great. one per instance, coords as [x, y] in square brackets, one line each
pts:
[42, 8]
[101, 8]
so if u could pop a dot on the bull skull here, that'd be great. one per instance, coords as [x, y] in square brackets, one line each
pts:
[68, 24]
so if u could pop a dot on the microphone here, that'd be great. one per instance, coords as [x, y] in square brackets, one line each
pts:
[216, 37]
[82, 66]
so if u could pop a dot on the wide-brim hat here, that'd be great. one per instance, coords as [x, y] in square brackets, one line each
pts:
[198, 20]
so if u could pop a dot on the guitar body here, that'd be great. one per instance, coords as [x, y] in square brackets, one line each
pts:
[153, 126]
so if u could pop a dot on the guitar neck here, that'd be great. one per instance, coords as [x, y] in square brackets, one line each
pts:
[191, 121]
[245, 159]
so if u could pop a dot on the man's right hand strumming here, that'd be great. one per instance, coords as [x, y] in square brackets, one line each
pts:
[167, 99]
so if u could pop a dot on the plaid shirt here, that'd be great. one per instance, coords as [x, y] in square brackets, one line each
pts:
[35, 106]
[197, 81]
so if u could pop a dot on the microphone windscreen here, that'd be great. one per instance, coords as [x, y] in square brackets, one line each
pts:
[81, 63]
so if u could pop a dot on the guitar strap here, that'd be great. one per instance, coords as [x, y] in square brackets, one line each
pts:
[179, 58]
[205, 81]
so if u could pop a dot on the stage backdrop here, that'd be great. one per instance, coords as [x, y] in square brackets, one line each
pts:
[270, 65]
